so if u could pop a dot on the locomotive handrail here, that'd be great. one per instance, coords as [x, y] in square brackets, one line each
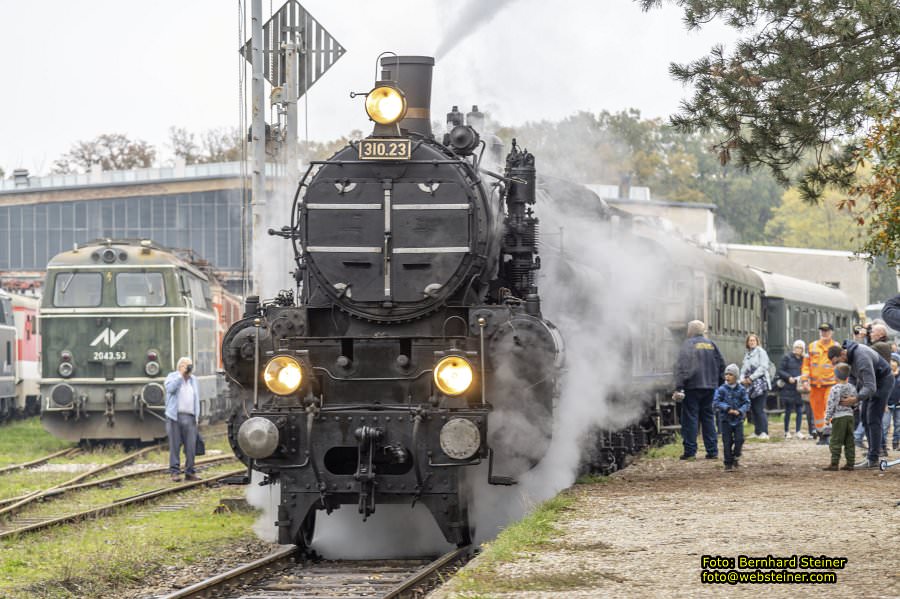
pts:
[373, 379]
[434, 162]
[474, 462]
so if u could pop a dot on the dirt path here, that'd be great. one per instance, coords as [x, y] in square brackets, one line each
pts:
[643, 532]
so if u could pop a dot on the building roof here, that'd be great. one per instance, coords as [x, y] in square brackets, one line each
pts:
[663, 203]
[140, 176]
[787, 250]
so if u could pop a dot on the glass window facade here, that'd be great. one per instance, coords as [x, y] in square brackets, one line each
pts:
[207, 222]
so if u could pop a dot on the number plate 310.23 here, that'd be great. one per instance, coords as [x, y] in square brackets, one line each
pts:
[384, 149]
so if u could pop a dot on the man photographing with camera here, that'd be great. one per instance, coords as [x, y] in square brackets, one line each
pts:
[182, 414]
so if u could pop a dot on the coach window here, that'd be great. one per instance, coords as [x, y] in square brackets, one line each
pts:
[77, 289]
[718, 309]
[726, 310]
[745, 316]
[140, 289]
[732, 310]
[5, 312]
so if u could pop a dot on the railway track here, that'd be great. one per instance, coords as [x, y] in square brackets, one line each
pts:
[286, 574]
[112, 481]
[25, 525]
[29, 498]
[63, 453]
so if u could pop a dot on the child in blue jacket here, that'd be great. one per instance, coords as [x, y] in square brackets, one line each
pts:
[732, 403]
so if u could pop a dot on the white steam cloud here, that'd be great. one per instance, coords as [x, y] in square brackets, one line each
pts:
[593, 283]
[273, 257]
[473, 16]
[265, 498]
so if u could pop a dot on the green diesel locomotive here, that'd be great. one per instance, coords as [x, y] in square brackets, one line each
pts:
[116, 316]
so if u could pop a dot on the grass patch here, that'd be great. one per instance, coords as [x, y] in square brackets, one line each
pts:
[670, 450]
[95, 559]
[529, 535]
[25, 440]
[592, 479]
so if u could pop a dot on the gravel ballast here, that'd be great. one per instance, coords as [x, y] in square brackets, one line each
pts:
[643, 531]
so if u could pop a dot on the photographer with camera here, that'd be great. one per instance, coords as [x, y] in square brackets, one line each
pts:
[182, 415]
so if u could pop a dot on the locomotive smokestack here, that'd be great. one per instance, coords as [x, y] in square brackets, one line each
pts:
[413, 76]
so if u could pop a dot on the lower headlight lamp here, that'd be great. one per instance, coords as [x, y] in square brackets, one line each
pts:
[460, 438]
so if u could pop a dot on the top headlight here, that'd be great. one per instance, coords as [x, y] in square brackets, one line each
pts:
[283, 375]
[386, 105]
[453, 375]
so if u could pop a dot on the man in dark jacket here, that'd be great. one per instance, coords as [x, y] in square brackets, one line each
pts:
[698, 371]
[874, 383]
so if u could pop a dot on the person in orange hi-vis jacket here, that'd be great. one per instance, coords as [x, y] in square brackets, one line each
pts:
[817, 376]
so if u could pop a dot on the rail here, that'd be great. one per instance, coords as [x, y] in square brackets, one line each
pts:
[56, 491]
[40, 494]
[68, 452]
[116, 505]
[346, 578]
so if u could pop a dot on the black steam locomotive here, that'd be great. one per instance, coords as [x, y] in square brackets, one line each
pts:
[417, 324]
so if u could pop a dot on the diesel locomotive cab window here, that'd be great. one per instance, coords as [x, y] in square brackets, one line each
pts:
[77, 289]
[198, 293]
[140, 289]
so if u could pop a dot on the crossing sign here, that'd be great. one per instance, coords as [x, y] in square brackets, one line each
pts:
[318, 49]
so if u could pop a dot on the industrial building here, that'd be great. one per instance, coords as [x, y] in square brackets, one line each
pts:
[196, 207]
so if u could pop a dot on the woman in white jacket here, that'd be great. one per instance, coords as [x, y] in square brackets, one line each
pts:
[755, 373]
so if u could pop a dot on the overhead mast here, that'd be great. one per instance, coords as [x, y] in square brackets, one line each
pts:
[257, 131]
[291, 51]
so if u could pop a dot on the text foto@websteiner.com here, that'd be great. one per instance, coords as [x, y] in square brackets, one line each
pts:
[794, 569]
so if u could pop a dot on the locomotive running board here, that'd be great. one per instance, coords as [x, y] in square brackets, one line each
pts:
[497, 479]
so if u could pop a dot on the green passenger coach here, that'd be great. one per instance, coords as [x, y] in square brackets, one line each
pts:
[116, 316]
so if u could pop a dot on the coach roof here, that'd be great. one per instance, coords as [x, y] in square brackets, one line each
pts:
[798, 290]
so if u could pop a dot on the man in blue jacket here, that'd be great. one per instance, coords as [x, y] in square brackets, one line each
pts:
[698, 372]
[874, 382]
[182, 414]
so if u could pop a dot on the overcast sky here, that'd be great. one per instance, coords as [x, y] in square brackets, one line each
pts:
[74, 70]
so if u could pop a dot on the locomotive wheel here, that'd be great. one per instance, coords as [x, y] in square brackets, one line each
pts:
[307, 530]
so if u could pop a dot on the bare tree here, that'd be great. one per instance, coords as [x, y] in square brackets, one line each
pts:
[184, 145]
[215, 145]
[221, 145]
[112, 151]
